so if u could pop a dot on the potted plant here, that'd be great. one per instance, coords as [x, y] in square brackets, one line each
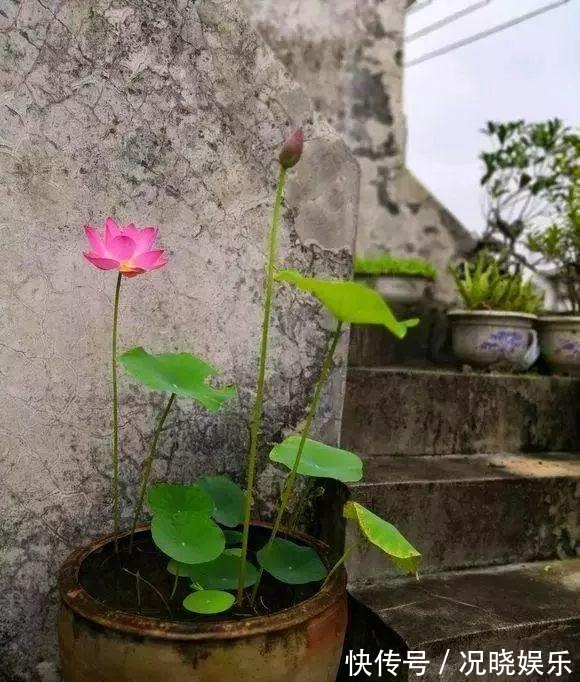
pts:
[496, 328]
[559, 247]
[400, 280]
[532, 183]
[204, 592]
[405, 284]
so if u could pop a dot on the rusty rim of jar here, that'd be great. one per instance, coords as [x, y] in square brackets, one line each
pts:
[91, 609]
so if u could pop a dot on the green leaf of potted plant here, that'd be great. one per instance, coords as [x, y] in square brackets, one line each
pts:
[205, 590]
[496, 328]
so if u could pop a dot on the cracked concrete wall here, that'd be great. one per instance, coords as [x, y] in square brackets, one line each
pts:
[349, 58]
[168, 113]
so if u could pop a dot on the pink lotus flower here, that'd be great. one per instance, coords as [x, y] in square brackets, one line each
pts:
[127, 249]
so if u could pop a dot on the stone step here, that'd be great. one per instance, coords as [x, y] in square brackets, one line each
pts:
[478, 510]
[392, 411]
[526, 607]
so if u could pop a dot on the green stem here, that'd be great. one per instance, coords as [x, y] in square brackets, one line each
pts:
[138, 579]
[116, 413]
[291, 481]
[301, 503]
[147, 470]
[175, 583]
[341, 561]
[141, 579]
[258, 404]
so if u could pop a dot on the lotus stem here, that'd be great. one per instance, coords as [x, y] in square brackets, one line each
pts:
[258, 404]
[342, 560]
[301, 502]
[138, 579]
[175, 583]
[147, 470]
[116, 414]
[291, 480]
[141, 579]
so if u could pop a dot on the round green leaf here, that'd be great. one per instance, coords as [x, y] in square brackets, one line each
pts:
[233, 537]
[180, 373]
[291, 563]
[208, 602]
[350, 302]
[171, 498]
[235, 551]
[222, 573]
[187, 537]
[319, 460]
[228, 498]
[385, 536]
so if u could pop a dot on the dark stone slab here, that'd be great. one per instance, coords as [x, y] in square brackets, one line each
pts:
[518, 608]
[461, 512]
[420, 412]
[426, 345]
[367, 632]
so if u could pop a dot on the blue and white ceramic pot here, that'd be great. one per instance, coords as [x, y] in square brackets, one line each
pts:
[560, 342]
[494, 339]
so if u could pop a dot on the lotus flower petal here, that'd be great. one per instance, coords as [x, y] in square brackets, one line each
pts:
[122, 248]
[95, 241]
[101, 263]
[149, 260]
[143, 238]
[129, 271]
[112, 230]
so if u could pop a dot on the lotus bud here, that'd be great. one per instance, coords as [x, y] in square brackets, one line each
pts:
[292, 150]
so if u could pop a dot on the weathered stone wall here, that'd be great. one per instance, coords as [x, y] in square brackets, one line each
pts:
[349, 58]
[168, 113]
[426, 228]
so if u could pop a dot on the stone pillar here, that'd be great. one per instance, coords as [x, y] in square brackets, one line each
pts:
[348, 55]
[167, 113]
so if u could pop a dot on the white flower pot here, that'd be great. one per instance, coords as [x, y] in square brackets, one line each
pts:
[494, 339]
[560, 342]
[397, 289]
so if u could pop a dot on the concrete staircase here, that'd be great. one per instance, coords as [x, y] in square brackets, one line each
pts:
[482, 473]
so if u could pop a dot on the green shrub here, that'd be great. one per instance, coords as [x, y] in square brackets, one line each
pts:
[558, 246]
[388, 265]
